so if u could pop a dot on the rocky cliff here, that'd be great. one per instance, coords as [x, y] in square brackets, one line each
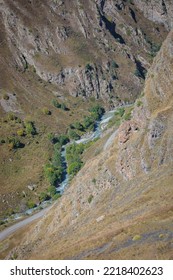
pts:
[119, 206]
[157, 11]
[94, 48]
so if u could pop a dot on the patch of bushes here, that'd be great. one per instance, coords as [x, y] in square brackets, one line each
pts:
[127, 116]
[31, 204]
[52, 191]
[87, 124]
[2, 223]
[88, 67]
[56, 104]
[74, 167]
[73, 135]
[77, 125]
[54, 169]
[14, 143]
[73, 157]
[44, 196]
[96, 112]
[61, 140]
[120, 112]
[56, 196]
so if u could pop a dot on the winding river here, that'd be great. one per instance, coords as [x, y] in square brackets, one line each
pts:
[100, 126]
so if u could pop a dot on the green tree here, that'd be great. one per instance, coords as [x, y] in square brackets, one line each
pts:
[73, 135]
[74, 167]
[44, 196]
[30, 128]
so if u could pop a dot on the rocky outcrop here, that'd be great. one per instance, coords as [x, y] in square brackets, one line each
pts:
[101, 34]
[158, 11]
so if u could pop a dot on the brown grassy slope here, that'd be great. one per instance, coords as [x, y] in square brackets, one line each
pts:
[130, 213]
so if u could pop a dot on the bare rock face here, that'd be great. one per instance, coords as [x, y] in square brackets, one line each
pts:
[158, 11]
[125, 130]
[85, 49]
[154, 143]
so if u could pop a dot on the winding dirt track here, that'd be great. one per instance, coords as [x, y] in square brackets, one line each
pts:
[8, 231]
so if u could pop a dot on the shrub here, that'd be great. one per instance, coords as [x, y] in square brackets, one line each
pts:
[88, 67]
[31, 204]
[97, 111]
[120, 112]
[14, 256]
[44, 196]
[52, 191]
[59, 105]
[139, 103]
[56, 196]
[14, 143]
[11, 116]
[63, 139]
[56, 103]
[94, 181]
[5, 96]
[54, 173]
[114, 64]
[136, 237]
[73, 135]
[90, 198]
[30, 128]
[46, 111]
[51, 137]
[88, 122]
[20, 132]
[2, 141]
[73, 157]
[127, 116]
[74, 167]
[63, 107]
[137, 73]
[78, 125]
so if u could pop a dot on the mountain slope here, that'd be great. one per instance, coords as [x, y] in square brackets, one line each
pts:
[119, 206]
[72, 52]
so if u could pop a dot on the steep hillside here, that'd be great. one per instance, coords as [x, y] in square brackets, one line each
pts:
[93, 48]
[74, 53]
[119, 206]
